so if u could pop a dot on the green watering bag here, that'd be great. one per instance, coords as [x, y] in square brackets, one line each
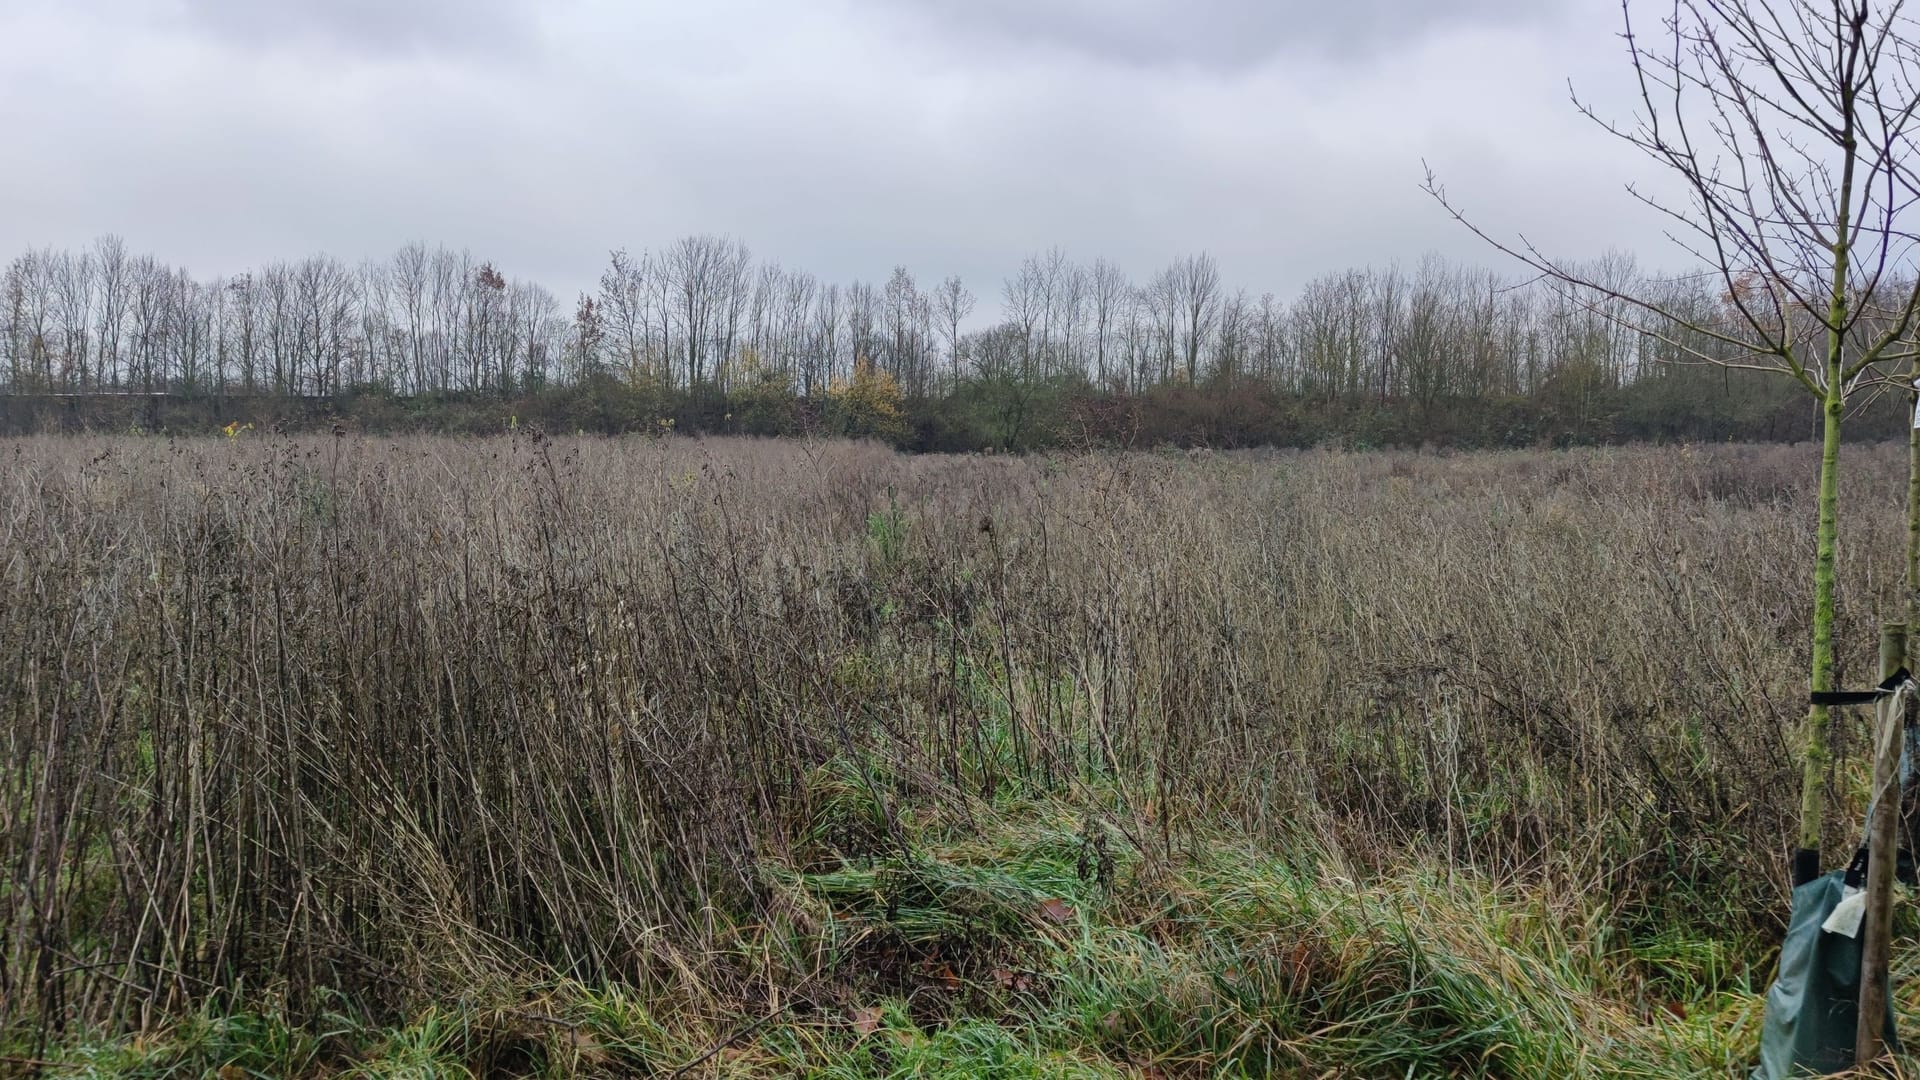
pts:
[1813, 1005]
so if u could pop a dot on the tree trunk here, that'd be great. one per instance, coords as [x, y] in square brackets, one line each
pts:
[1813, 793]
[1882, 823]
[1913, 494]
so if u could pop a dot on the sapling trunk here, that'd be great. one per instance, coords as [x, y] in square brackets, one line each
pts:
[1913, 493]
[1813, 787]
[1813, 781]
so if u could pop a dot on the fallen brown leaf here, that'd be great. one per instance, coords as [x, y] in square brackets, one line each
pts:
[1056, 911]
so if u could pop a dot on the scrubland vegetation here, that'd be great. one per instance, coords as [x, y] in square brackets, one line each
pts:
[656, 757]
[1064, 353]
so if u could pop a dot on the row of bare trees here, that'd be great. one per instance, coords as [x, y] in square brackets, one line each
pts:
[102, 320]
[704, 313]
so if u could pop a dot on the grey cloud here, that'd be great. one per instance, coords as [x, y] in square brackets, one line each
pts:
[839, 136]
[374, 26]
[1230, 33]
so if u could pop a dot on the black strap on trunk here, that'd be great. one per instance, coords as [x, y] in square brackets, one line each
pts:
[1860, 697]
[1806, 866]
[1806, 861]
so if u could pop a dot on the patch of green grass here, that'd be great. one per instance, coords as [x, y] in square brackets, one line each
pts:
[988, 949]
[232, 1047]
[1241, 962]
[893, 1046]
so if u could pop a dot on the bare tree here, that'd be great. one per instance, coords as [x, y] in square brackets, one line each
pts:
[1196, 285]
[13, 332]
[1108, 292]
[485, 318]
[825, 348]
[1388, 305]
[1788, 128]
[1049, 275]
[1070, 308]
[408, 277]
[736, 277]
[189, 331]
[73, 280]
[709, 275]
[378, 356]
[146, 326]
[1270, 333]
[952, 303]
[1229, 353]
[623, 311]
[1024, 303]
[243, 330]
[763, 312]
[110, 256]
[901, 298]
[1426, 334]
[583, 346]
[796, 303]
[863, 316]
[538, 332]
[30, 281]
[451, 282]
[1160, 299]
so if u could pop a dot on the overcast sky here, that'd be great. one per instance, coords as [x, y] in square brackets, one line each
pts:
[840, 136]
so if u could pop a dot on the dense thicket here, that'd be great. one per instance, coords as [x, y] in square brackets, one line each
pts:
[701, 335]
[408, 719]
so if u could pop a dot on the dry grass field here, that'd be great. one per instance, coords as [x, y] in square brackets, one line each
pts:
[528, 756]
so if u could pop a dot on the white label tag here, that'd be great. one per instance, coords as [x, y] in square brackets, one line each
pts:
[1847, 914]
